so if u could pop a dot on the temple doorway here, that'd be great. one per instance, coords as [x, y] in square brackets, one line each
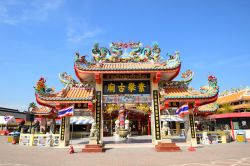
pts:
[139, 124]
[136, 122]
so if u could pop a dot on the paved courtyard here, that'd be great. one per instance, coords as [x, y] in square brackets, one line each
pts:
[233, 154]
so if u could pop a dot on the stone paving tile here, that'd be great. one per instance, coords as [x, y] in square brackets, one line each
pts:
[227, 162]
[233, 154]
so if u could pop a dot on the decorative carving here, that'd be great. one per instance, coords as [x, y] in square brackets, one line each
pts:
[42, 88]
[165, 130]
[173, 60]
[93, 131]
[211, 87]
[65, 78]
[187, 76]
[156, 52]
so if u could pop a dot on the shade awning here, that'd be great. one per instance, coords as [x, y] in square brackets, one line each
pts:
[171, 118]
[7, 120]
[79, 120]
[230, 115]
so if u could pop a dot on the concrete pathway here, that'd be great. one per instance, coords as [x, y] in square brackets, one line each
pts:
[233, 154]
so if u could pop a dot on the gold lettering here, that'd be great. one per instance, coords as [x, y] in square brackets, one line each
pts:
[131, 87]
[121, 87]
[141, 87]
[111, 88]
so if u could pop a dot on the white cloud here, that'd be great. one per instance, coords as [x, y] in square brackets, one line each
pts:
[13, 12]
[79, 30]
[74, 36]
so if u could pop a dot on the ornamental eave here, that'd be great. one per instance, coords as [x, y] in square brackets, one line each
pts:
[114, 69]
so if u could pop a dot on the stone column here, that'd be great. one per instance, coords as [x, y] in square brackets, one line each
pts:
[191, 133]
[178, 128]
[43, 125]
[64, 132]
[98, 116]
[155, 116]
[99, 106]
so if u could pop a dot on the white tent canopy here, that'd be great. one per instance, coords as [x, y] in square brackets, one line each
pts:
[171, 118]
[7, 120]
[79, 120]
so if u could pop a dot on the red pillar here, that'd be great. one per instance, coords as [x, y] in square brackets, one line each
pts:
[149, 124]
[232, 127]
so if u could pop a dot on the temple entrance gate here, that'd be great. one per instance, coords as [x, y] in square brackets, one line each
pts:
[131, 91]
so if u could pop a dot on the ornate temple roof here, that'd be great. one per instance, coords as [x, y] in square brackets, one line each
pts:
[126, 58]
[129, 66]
[72, 92]
[208, 108]
[179, 90]
[234, 96]
[42, 111]
[116, 60]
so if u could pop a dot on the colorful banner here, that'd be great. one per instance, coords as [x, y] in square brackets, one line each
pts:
[182, 111]
[65, 112]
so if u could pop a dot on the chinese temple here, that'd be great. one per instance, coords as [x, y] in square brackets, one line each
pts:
[127, 87]
[234, 111]
[238, 99]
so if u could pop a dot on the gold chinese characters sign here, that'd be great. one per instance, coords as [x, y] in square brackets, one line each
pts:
[191, 121]
[62, 128]
[126, 87]
[81, 106]
[98, 112]
[157, 115]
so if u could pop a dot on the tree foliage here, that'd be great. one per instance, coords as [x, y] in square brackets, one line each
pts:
[225, 108]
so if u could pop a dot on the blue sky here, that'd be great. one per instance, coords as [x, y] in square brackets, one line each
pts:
[39, 38]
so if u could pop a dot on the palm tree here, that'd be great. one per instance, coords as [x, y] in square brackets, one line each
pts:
[31, 106]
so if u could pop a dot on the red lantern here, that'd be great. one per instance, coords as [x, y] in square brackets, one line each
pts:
[90, 105]
[166, 104]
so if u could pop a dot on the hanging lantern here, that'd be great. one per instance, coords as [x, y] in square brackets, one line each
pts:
[90, 105]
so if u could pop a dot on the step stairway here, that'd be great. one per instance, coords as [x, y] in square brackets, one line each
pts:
[89, 148]
[167, 147]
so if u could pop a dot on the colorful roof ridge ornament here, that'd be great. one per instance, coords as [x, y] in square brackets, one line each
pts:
[115, 54]
[172, 91]
[41, 87]
[187, 76]
[212, 86]
[66, 79]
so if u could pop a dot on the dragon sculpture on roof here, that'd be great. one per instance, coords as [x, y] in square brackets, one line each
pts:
[42, 88]
[65, 78]
[187, 76]
[136, 54]
[115, 53]
[212, 86]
